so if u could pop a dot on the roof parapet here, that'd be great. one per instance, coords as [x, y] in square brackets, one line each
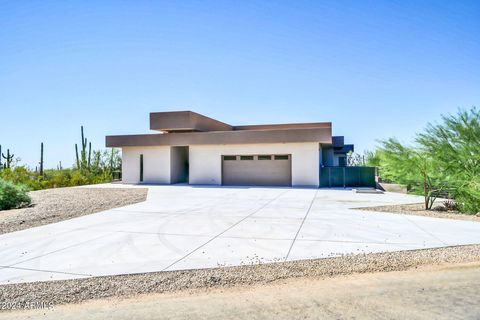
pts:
[184, 121]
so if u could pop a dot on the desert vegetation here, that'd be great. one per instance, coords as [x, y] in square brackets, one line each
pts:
[91, 166]
[443, 161]
[13, 196]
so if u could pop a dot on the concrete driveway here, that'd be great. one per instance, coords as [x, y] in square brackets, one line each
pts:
[184, 227]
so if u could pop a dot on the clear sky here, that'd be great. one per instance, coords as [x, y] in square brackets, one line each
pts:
[374, 68]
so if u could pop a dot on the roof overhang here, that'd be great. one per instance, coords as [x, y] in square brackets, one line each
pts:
[345, 149]
[320, 135]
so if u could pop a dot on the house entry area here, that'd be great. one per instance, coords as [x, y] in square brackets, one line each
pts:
[179, 166]
[257, 170]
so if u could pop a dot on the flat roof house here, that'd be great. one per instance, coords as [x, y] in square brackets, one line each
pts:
[192, 148]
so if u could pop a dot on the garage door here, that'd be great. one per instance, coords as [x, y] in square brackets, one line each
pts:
[257, 170]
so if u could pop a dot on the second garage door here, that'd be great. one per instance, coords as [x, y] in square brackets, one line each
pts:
[257, 170]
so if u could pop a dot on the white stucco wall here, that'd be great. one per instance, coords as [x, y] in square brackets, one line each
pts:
[206, 162]
[156, 164]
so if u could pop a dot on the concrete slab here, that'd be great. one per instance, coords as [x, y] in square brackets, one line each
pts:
[186, 227]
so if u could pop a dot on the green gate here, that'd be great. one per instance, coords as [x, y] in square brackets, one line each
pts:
[344, 177]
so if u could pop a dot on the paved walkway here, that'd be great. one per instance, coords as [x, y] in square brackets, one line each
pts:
[184, 227]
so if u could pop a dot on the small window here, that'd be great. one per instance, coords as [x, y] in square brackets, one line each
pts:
[281, 157]
[229, 157]
[246, 157]
[264, 157]
[141, 168]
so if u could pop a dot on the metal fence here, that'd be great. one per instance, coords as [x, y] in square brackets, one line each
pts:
[344, 177]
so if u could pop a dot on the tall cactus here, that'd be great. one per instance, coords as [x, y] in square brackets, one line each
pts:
[84, 145]
[83, 162]
[1, 167]
[78, 160]
[89, 154]
[41, 159]
[8, 158]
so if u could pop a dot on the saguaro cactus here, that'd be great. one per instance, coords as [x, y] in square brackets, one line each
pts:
[41, 159]
[78, 160]
[89, 154]
[83, 161]
[8, 158]
[1, 167]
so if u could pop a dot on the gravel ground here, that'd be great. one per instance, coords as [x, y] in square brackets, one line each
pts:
[74, 291]
[54, 205]
[445, 292]
[418, 209]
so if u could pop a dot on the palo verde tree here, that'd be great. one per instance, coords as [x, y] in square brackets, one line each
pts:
[413, 167]
[455, 145]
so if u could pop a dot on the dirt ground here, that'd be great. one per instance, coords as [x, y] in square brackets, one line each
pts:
[440, 292]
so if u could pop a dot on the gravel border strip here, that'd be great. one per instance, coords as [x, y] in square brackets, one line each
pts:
[74, 291]
[416, 209]
[55, 205]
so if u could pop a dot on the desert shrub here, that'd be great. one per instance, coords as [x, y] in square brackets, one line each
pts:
[91, 168]
[54, 178]
[13, 196]
[21, 175]
[468, 198]
[79, 178]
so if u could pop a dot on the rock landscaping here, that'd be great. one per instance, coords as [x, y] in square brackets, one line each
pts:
[418, 209]
[54, 205]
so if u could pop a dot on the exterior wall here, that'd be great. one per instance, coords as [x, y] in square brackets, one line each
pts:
[335, 160]
[156, 164]
[206, 163]
[327, 157]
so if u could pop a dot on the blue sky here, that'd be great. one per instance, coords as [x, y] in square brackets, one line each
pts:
[374, 68]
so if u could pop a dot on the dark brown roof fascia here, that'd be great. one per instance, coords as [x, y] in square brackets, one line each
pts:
[321, 135]
[284, 126]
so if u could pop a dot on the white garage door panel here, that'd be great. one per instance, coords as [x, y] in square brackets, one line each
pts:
[255, 172]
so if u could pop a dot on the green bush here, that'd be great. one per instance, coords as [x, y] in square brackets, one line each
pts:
[51, 178]
[468, 197]
[99, 168]
[21, 175]
[13, 196]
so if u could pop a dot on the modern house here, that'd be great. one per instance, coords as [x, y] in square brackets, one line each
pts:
[192, 148]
